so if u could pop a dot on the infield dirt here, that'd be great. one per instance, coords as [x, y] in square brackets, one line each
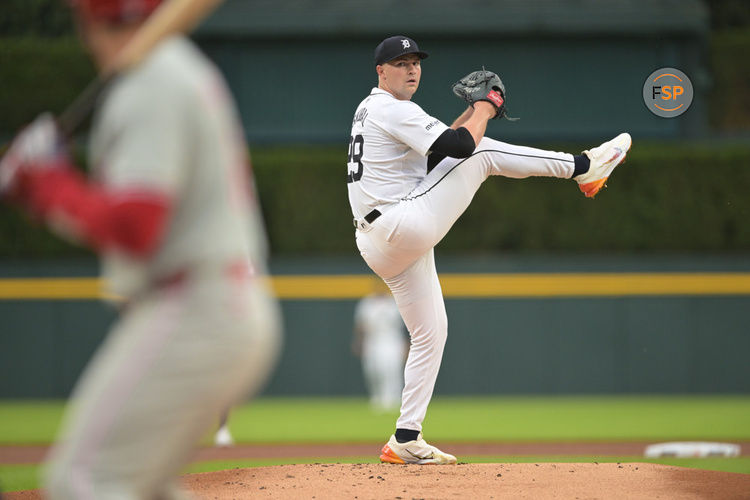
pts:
[540, 481]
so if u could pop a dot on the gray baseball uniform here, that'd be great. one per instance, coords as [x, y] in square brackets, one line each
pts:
[199, 329]
[377, 319]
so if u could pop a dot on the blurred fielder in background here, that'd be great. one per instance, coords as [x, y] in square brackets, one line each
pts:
[379, 340]
[410, 177]
[171, 211]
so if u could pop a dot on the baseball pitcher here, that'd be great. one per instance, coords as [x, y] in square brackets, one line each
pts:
[410, 176]
[171, 211]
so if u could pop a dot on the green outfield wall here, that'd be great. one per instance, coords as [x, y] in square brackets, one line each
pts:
[298, 70]
[585, 324]
[571, 73]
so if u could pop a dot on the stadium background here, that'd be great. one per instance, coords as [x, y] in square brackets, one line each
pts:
[678, 209]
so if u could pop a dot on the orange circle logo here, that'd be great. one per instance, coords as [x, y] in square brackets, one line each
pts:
[668, 92]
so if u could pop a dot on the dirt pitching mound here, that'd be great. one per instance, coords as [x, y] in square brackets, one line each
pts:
[477, 481]
[534, 481]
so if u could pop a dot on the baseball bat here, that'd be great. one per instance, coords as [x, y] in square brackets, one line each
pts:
[172, 16]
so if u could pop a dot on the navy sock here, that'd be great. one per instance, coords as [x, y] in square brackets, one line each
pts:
[404, 435]
[582, 164]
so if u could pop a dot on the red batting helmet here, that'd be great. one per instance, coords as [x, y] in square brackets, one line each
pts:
[115, 11]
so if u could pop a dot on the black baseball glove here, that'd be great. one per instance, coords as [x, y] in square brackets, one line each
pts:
[482, 85]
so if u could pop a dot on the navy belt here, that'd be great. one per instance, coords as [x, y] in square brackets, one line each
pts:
[370, 218]
[363, 224]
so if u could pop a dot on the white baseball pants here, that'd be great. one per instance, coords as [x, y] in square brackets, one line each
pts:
[398, 247]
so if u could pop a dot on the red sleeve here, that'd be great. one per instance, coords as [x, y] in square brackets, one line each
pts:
[131, 221]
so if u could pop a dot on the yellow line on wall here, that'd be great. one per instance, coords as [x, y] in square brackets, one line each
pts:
[454, 285]
[50, 288]
[595, 284]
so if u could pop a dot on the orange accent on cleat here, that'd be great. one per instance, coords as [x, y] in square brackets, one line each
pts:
[590, 189]
[388, 456]
[603, 160]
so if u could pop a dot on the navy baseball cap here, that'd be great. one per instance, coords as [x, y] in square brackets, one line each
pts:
[396, 46]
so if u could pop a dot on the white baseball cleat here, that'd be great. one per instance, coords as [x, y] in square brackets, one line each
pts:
[603, 159]
[414, 452]
[223, 437]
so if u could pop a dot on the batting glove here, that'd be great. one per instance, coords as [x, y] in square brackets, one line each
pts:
[39, 146]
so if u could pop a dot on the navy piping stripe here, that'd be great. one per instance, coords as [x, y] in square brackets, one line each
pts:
[407, 198]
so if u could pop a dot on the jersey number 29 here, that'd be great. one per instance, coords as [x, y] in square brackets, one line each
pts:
[356, 148]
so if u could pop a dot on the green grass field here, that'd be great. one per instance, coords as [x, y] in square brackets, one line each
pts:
[460, 419]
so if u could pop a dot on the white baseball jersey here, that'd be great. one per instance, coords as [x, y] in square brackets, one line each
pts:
[199, 156]
[387, 150]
